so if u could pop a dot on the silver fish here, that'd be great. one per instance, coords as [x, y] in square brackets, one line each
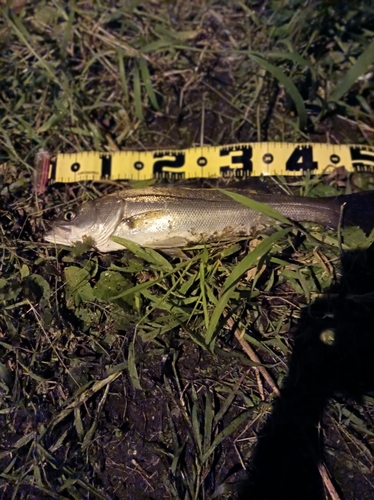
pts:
[170, 217]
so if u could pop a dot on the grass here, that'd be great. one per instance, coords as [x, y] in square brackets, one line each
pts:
[129, 375]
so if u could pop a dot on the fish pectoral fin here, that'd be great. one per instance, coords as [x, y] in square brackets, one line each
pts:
[168, 243]
[144, 219]
[175, 253]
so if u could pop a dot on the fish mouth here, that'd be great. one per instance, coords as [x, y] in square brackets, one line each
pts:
[64, 234]
[59, 235]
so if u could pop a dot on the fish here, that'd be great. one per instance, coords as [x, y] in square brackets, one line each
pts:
[169, 217]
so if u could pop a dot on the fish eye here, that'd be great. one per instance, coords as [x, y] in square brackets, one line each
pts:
[70, 215]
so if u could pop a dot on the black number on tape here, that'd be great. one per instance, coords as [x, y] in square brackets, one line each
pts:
[301, 159]
[176, 162]
[106, 166]
[53, 169]
[362, 159]
[245, 160]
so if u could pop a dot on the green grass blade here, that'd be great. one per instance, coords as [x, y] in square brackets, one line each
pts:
[24, 36]
[137, 93]
[359, 68]
[208, 421]
[288, 85]
[133, 372]
[146, 254]
[195, 421]
[122, 73]
[203, 294]
[230, 429]
[155, 46]
[263, 208]
[295, 58]
[253, 256]
[238, 271]
[146, 77]
[68, 30]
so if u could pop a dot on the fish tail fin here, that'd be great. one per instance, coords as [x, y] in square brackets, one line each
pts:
[358, 210]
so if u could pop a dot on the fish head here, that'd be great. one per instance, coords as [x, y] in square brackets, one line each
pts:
[96, 220]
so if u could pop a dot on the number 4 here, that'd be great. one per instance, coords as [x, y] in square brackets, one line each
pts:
[301, 159]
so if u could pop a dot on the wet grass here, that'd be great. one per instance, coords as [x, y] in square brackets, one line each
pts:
[131, 375]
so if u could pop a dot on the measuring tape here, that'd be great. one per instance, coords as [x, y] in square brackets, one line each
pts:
[231, 161]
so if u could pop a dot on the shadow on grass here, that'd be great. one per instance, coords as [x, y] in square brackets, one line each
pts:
[333, 356]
